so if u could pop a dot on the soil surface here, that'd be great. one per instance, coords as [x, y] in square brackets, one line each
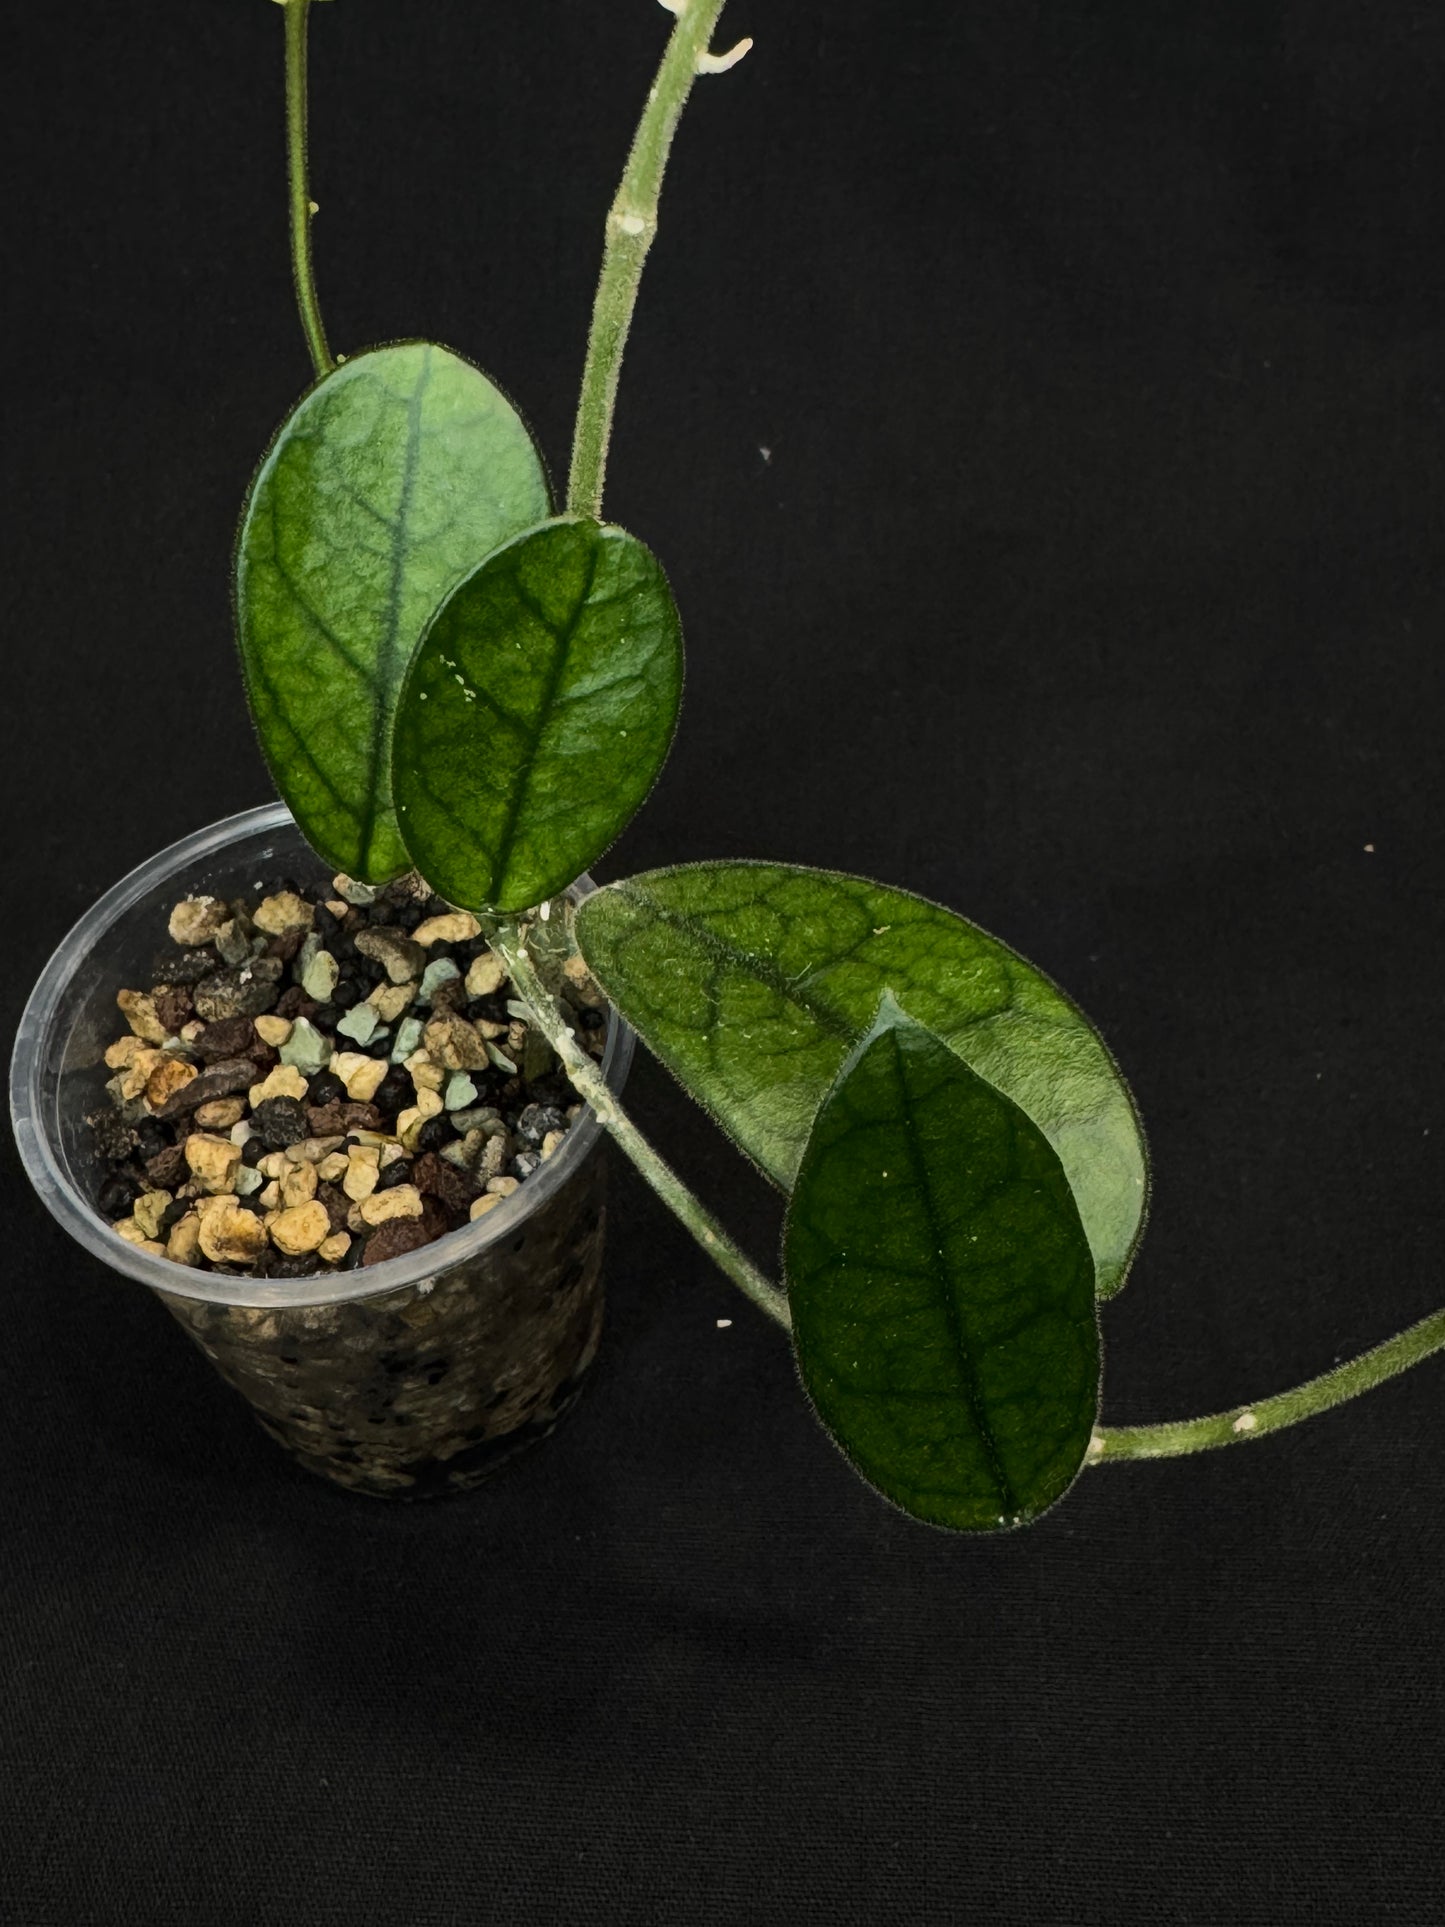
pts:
[319, 1079]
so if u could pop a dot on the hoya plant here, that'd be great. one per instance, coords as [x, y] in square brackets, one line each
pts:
[451, 671]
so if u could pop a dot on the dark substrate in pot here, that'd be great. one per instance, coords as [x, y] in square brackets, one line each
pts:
[319, 1078]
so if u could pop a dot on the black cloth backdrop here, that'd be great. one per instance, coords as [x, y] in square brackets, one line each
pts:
[1038, 408]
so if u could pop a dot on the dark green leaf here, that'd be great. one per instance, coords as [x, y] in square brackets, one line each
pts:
[752, 981]
[392, 479]
[942, 1287]
[536, 714]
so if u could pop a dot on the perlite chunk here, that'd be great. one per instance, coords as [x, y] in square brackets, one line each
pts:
[485, 975]
[456, 926]
[284, 1081]
[360, 1074]
[230, 1234]
[400, 1201]
[139, 1012]
[195, 920]
[213, 1161]
[455, 1044]
[302, 1228]
[285, 911]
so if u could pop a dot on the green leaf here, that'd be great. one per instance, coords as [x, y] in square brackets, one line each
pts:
[392, 478]
[752, 981]
[942, 1287]
[536, 714]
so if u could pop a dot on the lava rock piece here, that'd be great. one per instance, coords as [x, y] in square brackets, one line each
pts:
[227, 1079]
[338, 1205]
[394, 1239]
[116, 1196]
[436, 1177]
[232, 1037]
[285, 944]
[437, 1220]
[168, 1168]
[151, 1137]
[327, 1088]
[174, 1006]
[335, 1120]
[394, 1093]
[247, 990]
[436, 1132]
[326, 1120]
[277, 1264]
[281, 1121]
[331, 930]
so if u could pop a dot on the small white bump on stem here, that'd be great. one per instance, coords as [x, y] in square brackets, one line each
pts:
[720, 63]
[1265, 1416]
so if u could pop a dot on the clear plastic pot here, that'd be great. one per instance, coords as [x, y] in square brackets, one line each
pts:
[407, 1378]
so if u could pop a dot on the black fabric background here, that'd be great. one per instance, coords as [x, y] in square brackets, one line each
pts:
[1091, 582]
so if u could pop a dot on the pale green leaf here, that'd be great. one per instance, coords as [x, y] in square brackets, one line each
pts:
[753, 981]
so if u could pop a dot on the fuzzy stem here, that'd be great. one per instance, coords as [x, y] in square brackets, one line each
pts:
[1247, 1422]
[296, 109]
[631, 226]
[509, 943]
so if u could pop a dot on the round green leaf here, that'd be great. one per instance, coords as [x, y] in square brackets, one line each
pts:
[753, 981]
[393, 477]
[536, 714]
[942, 1287]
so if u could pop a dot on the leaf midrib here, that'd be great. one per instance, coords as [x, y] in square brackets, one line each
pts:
[521, 789]
[968, 1371]
[386, 652]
